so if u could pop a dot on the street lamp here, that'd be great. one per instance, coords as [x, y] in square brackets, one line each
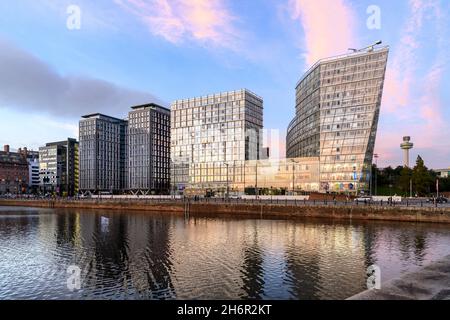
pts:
[228, 186]
[376, 172]
[256, 180]
[293, 176]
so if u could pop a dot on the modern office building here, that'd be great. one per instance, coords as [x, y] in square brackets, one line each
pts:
[149, 149]
[58, 167]
[13, 172]
[103, 154]
[34, 180]
[337, 108]
[443, 173]
[265, 177]
[212, 134]
[33, 168]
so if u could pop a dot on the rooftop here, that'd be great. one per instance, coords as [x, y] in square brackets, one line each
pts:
[340, 57]
[150, 105]
[98, 115]
[13, 157]
[220, 94]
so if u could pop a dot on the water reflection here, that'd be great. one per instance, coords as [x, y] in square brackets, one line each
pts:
[155, 256]
[252, 267]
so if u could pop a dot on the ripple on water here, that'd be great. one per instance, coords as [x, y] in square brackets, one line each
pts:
[152, 256]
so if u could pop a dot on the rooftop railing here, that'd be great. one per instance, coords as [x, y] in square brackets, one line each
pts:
[342, 56]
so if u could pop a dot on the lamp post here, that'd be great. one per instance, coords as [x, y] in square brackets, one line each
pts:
[228, 186]
[293, 176]
[256, 181]
[376, 172]
[437, 187]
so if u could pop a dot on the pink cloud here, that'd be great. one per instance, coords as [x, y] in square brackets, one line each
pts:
[328, 27]
[205, 21]
[411, 98]
[401, 72]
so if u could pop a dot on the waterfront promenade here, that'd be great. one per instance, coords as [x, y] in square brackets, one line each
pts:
[429, 283]
[412, 211]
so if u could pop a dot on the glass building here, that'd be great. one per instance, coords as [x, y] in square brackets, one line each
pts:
[58, 167]
[337, 109]
[211, 135]
[103, 154]
[149, 149]
[265, 177]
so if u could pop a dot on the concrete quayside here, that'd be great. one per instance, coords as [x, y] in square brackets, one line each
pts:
[429, 283]
[257, 209]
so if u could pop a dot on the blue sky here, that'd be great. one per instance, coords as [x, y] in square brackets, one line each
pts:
[134, 51]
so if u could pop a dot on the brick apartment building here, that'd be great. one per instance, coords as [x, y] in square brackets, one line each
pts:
[14, 172]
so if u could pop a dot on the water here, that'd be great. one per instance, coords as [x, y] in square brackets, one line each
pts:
[134, 255]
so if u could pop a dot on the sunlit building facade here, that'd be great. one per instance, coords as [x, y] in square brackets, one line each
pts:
[337, 109]
[211, 135]
[265, 177]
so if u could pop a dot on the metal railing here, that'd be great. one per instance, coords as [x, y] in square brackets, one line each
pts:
[412, 204]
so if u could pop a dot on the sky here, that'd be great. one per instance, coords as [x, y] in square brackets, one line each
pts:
[62, 59]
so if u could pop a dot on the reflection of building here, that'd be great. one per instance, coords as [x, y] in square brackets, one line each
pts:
[103, 153]
[13, 172]
[338, 105]
[58, 164]
[149, 149]
[210, 134]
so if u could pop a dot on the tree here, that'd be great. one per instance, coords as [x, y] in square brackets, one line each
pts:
[404, 179]
[421, 178]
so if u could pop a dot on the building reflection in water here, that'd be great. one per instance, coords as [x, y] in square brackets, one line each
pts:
[160, 256]
[252, 268]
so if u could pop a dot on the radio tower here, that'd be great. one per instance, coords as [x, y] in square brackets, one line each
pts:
[406, 146]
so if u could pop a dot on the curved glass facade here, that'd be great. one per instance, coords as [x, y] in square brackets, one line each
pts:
[337, 109]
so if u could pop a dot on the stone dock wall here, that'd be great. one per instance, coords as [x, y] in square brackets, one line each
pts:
[429, 283]
[254, 210]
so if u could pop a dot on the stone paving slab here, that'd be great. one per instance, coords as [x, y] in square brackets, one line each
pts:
[429, 283]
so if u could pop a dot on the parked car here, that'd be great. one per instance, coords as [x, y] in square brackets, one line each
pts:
[438, 200]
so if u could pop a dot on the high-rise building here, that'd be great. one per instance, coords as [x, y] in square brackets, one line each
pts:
[58, 167]
[337, 108]
[149, 149]
[212, 135]
[33, 175]
[102, 154]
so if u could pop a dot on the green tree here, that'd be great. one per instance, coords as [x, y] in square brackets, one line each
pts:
[421, 178]
[404, 180]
